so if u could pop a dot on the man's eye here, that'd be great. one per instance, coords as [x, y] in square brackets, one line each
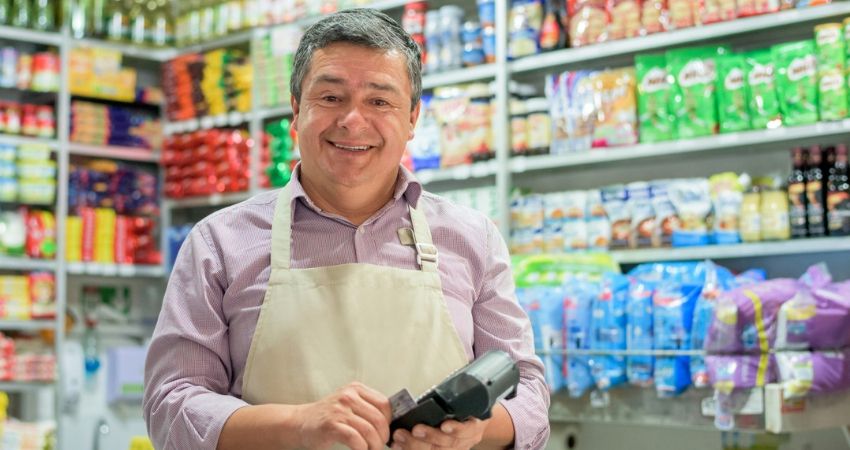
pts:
[330, 98]
[379, 102]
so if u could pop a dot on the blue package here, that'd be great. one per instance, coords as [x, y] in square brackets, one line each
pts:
[579, 378]
[639, 332]
[608, 331]
[703, 315]
[544, 306]
[672, 376]
[578, 299]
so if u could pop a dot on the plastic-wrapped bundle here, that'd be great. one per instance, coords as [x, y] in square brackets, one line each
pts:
[639, 368]
[673, 310]
[732, 372]
[608, 332]
[577, 310]
[803, 373]
[818, 319]
[703, 313]
[544, 306]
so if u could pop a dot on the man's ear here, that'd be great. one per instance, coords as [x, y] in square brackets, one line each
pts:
[414, 117]
[295, 109]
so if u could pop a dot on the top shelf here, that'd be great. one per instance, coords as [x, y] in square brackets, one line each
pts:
[659, 41]
[31, 36]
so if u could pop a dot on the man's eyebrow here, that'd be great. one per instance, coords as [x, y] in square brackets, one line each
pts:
[332, 79]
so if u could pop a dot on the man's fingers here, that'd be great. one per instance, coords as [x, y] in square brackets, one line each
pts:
[361, 407]
[377, 399]
[348, 436]
[434, 436]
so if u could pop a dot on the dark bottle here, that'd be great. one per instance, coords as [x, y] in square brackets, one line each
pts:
[553, 34]
[21, 13]
[815, 193]
[797, 194]
[838, 195]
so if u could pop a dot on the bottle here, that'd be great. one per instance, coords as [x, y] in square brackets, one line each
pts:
[163, 25]
[97, 19]
[193, 22]
[815, 210]
[21, 13]
[838, 194]
[221, 9]
[79, 19]
[797, 194]
[234, 15]
[117, 20]
[750, 223]
[552, 32]
[774, 216]
[207, 17]
[44, 18]
[138, 19]
[4, 12]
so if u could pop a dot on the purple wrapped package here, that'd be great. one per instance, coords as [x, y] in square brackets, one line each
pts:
[731, 372]
[744, 317]
[815, 320]
[804, 373]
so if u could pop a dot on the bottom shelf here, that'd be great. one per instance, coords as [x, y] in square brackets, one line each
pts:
[760, 410]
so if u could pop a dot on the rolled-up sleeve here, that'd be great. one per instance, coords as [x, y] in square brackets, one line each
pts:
[500, 323]
[188, 370]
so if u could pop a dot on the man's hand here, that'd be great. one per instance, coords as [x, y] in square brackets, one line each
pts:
[452, 435]
[355, 416]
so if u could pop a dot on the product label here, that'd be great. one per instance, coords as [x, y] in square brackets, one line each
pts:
[828, 35]
[800, 68]
[734, 80]
[655, 80]
[761, 74]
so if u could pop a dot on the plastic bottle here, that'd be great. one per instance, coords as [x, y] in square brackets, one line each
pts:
[21, 13]
[138, 21]
[117, 20]
[4, 12]
[751, 216]
[44, 18]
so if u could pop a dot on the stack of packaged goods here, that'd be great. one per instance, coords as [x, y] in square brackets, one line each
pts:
[98, 73]
[207, 162]
[36, 72]
[483, 199]
[725, 208]
[279, 154]
[447, 39]
[28, 232]
[113, 208]
[27, 174]
[273, 59]
[27, 119]
[537, 26]
[794, 332]
[531, 126]
[39, 15]
[98, 124]
[26, 360]
[210, 84]
[28, 297]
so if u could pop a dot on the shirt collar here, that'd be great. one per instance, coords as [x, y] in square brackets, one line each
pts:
[406, 185]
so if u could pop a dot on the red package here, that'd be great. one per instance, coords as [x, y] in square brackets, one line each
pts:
[588, 22]
[625, 19]
[42, 295]
[88, 217]
[682, 14]
[654, 17]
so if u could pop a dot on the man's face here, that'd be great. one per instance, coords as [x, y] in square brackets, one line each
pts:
[354, 117]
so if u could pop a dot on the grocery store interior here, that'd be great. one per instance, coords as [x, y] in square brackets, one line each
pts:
[670, 177]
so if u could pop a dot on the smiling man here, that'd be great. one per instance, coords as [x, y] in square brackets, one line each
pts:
[289, 318]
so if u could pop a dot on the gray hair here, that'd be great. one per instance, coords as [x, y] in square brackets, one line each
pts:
[361, 26]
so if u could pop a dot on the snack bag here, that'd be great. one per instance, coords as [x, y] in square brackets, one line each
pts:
[832, 89]
[581, 112]
[615, 105]
[796, 75]
[643, 225]
[732, 108]
[588, 22]
[711, 11]
[556, 92]
[614, 198]
[762, 101]
[692, 200]
[653, 88]
[625, 19]
[693, 97]
[654, 17]
[681, 14]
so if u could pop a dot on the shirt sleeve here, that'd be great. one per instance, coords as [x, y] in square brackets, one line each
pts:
[500, 323]
[188, 369]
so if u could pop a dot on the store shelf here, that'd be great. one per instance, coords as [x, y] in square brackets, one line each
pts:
[208, 201]
[484, 72]
[231, 119]
[24, 386]
[116, 270]
[26, 264]
[650, 352]
[128, 50]
[751, 140]
[669, 39]
[27, 325]
[811, 413]
[114, 152]
[238, 38]
[9, 139]
[32, 36]
[748, 250]
[457, 173]
[273, 113]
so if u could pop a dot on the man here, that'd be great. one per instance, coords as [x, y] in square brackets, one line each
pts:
[289, 318]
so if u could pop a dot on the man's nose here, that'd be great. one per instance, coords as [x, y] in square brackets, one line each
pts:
[352, 118]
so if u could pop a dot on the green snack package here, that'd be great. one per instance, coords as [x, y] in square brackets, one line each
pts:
[832, 90]
[761, 90]
[796, 78]
[732, 110]
[692, 100]
[656, 122]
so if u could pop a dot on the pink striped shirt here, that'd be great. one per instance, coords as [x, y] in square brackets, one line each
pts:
[194, 367]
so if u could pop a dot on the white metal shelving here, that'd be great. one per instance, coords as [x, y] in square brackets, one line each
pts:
[25, 386]
[9, 139]
[551, 60]
[30, 36]
[26, 264]
[207, 201]
[745, 250]
[116, 270]
[114, 152]
[27, 325]
[486, 72]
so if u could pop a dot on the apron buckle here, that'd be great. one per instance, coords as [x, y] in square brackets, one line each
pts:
[426, 252]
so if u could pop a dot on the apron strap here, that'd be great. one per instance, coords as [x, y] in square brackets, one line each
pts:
[426, 251]
[282, 230]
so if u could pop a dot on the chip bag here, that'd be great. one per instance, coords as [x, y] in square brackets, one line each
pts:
[796, 76]
[693, 97]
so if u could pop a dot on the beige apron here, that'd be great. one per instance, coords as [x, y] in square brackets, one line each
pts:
[324, 327]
